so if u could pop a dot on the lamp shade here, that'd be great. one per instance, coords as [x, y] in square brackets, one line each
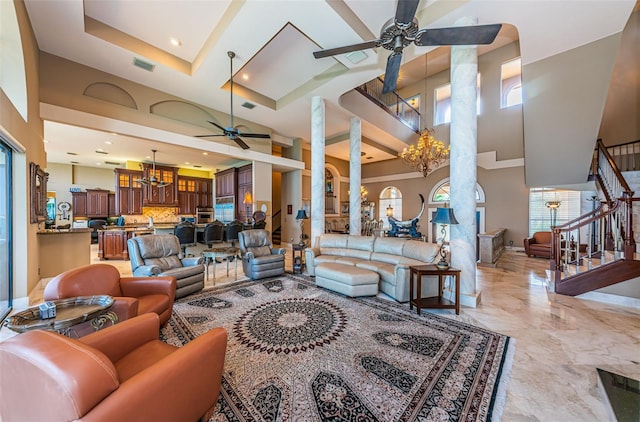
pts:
[248, 200]
[302, 215]
[444, 216]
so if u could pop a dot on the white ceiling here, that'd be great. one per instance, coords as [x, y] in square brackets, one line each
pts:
[283, 72]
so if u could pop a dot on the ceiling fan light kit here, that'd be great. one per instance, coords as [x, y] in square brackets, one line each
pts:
[232, 132]
[402, 30]
[153, 180]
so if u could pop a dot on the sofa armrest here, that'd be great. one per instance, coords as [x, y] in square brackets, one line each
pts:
[182, 386]
[125, 307]
[120, 339]
[310, 254]
[247, 256]
[190, 262]
[143, 286]
[278, 251]
[147, 270]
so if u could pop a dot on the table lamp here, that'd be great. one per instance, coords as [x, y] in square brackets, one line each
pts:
[444, 217]
[302, 215]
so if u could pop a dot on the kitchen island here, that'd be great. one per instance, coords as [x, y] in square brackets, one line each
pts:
[112, 242]
[62, 250]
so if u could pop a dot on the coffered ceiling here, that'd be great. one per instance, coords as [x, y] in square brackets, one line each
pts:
[274, 68]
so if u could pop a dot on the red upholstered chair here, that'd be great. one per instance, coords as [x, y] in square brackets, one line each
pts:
[121, 373]
[132, 295]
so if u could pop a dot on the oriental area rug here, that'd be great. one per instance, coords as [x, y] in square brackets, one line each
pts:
[301, 353]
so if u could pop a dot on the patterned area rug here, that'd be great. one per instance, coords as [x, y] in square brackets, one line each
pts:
[300, 353]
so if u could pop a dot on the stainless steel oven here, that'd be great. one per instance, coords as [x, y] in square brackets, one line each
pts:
[204, 215]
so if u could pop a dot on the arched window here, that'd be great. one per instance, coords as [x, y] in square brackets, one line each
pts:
[390, 200]
[440, 194]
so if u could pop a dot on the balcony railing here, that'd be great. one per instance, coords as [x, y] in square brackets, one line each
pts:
[392, 103]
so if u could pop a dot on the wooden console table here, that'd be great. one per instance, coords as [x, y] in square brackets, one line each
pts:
[434, 302]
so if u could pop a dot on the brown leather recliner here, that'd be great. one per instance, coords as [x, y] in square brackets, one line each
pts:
[538, 245]
[121, 373]
[132, 295]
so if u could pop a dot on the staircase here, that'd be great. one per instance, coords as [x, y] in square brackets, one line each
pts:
[608, 257]
[276, 234]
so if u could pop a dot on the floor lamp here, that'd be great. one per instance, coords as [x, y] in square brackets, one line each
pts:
[248, 201]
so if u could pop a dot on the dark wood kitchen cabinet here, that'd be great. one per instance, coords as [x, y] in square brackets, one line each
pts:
[79, 204]
[128, 192]
[161, 196]
[97, 203]
[194, 192]
[226, 181]
[245, 184]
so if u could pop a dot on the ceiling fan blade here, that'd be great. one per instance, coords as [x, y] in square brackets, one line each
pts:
[391, 74]
[207, 136]
[218, 126]
[240, 142]
[256, 135]
[406, 10]
[346, 49]
[459, 35]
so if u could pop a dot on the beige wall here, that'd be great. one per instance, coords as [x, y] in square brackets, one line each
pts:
[30, 135]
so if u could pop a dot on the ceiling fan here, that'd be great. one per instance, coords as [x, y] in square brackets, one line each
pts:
[153, 180]
[232, 132]
[402, 30]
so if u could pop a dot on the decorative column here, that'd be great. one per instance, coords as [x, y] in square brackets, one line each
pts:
[317, 168]
[355, 139]
[463, 165]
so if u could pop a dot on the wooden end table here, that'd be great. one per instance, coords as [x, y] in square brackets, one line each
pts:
[434, 302]
[298, 265]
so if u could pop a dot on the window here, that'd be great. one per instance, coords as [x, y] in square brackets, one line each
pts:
[442, 109]
[540, 215]
[511, 83]
[6, 274]
[390, 197]
[441, 193]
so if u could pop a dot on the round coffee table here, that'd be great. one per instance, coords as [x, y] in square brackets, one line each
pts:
[225, 253]
[69, 312]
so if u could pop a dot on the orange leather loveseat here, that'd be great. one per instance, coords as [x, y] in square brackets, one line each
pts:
[133, 295]
[538, 245]
[121, 373]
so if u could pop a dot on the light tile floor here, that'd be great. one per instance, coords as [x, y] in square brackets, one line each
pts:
[560, 340]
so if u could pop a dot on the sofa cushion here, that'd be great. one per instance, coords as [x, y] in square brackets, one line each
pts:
[325, 258]
[421, 251]
[165, 262]
[388, 245]
[347, 274]
[386, 257]
[333, 241]
[349, 260]
[153, 303]
[158, 245]
[360, 243]
[260, 251]
[384, 270]
[183, 272]
[259, 260]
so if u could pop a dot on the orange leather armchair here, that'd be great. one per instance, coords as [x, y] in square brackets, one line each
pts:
[121, 373]
[132, 295]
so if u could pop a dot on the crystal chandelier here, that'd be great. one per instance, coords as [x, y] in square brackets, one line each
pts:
[428, 154]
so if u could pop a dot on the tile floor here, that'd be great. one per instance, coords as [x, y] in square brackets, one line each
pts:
[560, 340]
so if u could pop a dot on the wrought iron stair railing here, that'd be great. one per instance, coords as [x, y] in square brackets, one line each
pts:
[607, 229]
[392, 103]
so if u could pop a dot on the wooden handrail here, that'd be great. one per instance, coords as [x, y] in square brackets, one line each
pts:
[602, 148]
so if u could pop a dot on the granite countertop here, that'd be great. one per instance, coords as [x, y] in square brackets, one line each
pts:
[63, 231]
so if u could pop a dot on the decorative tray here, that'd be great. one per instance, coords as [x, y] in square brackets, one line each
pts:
[69, 312]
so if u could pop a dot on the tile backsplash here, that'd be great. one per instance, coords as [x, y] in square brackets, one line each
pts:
[159, 215]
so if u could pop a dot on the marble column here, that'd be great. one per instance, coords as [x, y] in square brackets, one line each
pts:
[317, 168]
[463, 165]
[355, 139]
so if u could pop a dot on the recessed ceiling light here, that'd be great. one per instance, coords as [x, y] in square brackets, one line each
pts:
[175, 42]
[369, 158]
[98, 164]
[71, 153]
[46, 142]
[245, 76]
[107, 142]
[205, 153]
[186, 162]
[197, 166]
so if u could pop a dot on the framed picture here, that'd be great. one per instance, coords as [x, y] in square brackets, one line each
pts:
[264, 206]
[289, 209]
[344, 207]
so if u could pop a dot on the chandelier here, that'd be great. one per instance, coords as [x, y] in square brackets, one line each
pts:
[427, 155]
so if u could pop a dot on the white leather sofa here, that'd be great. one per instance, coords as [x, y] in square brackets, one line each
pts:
[389, 257]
